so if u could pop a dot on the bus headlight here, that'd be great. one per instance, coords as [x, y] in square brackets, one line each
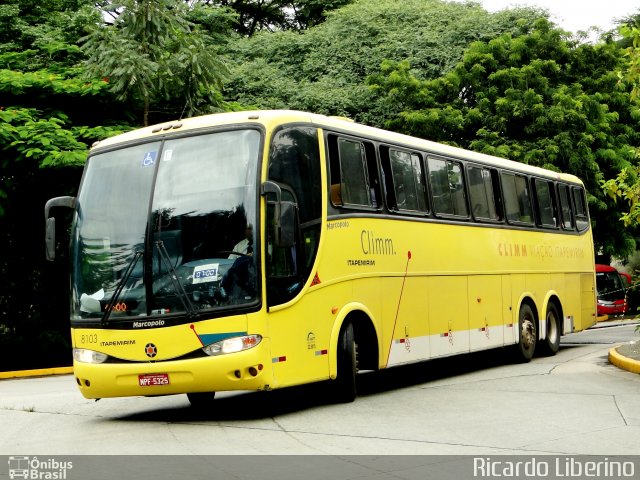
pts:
[88, 356]
[232, 345]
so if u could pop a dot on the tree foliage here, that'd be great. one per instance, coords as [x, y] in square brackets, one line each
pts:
[152, 53]
[626, 184]
[538, 98]
[48, 119]
[324, 68]
[275, 15]
[46, 102]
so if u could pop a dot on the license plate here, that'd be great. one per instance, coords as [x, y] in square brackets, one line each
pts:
[153, 379]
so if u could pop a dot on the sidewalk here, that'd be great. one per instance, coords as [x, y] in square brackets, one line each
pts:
[36, 373]
[627, 355]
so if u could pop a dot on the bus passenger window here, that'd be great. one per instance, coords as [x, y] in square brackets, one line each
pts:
[516, 198]
[353, 171]
[408, 181]
[447, 186]
[565, 207]
[582, 216]
[481, 191]
[546, 204]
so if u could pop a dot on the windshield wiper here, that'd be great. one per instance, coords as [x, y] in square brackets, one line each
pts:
[173, 275]
[123, 281]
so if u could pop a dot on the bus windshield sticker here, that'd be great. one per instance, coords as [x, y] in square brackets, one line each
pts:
[149, 159]
[167, 155]
[205, 273]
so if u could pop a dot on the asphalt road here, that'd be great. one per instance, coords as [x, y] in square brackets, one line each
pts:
[478, 404]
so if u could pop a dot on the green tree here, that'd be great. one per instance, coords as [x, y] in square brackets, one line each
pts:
[49, 116]
[626, 184]
[271, 15]
[48, 110]
[539, 98]
[323, 69]
[152, 54]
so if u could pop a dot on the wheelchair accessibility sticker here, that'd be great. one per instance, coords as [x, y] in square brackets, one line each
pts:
[149, 159]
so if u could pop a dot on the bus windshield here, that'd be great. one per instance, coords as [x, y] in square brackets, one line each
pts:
[609, 285]
[167, 227]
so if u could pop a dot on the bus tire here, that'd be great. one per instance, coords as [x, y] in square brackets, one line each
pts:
[201, 400]
[528, 334]
[344, 386]
[551, 344]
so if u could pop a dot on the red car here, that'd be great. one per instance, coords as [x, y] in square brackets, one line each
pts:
[611, 291]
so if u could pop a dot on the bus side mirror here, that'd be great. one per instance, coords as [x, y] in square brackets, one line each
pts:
[50, 239]
[50, 230]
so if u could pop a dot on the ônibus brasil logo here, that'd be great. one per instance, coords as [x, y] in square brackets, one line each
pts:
[34, 468]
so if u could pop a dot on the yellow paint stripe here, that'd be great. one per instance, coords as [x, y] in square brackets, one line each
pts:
[36, 373]
[623, 362]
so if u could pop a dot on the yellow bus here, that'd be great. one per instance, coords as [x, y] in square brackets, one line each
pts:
[260, 250]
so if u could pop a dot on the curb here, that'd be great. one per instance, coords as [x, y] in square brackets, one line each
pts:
[623, 362]
[36, 373]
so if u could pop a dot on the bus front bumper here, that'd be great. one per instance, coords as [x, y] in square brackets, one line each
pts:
[247, 370]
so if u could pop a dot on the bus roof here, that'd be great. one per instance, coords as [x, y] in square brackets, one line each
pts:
[273, 118]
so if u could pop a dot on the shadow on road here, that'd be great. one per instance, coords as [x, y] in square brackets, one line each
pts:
[259, 405]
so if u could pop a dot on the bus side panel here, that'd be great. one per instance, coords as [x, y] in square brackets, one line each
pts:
[300, 336]
[448, 315]
[406, 320]
[518, 283]
[571, 303]
[485, 312]
[508, 312]
[588, 301]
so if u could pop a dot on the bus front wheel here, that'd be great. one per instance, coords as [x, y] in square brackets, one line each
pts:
[344, 385]
[551, 344]
[528, 334]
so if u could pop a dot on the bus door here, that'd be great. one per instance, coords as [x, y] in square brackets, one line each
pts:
[299, 332]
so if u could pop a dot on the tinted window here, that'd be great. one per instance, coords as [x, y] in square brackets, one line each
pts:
[582, 217]
[546, 203]
[481, 192]
[408, 183]
[447, 187]
[517, 200]
[294, 163]
[609, 286]
[354, 188]
[565, 207]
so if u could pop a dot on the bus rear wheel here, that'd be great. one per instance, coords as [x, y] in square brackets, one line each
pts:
[201, 400]
[526, 345]
[551, 344]
[344, 386]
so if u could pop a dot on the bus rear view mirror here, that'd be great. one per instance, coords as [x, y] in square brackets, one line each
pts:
[50, 232]
[50, 239]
